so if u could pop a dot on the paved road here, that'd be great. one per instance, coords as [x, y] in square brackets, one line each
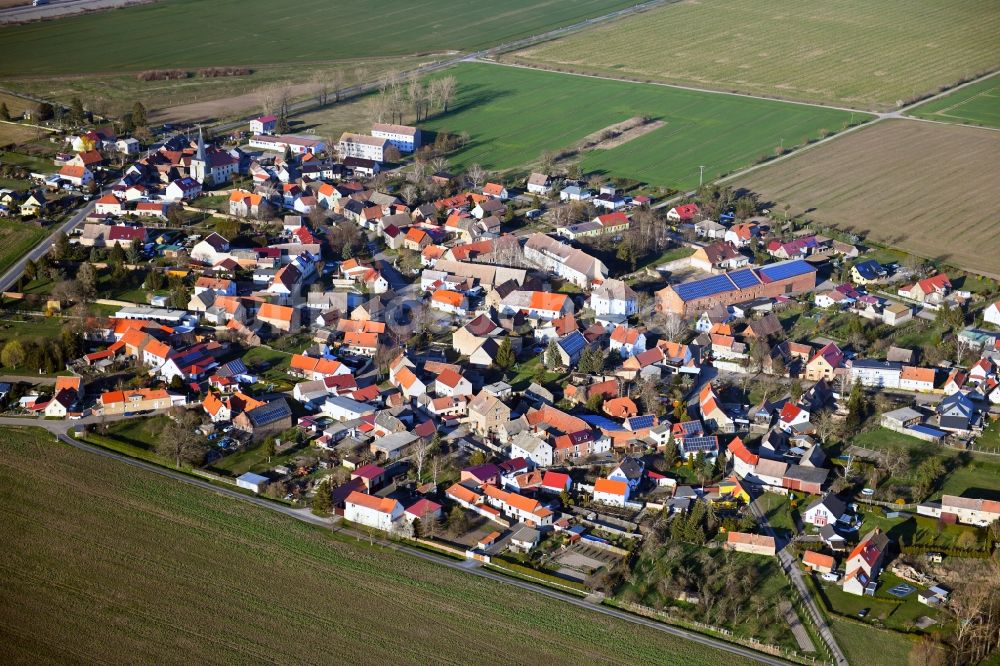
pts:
[799, 583]
[10, 277]
[57, 8]
[59, 429]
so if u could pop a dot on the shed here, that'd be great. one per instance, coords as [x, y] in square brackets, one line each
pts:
[252, 482]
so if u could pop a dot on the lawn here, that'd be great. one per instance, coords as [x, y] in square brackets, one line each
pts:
[252, 459]
[16, 239]
[978, 104]
[849, 52]
[257, 32]
[512, 115]
[121, 565]
[903, 183]
[860, 641]
[968, 474]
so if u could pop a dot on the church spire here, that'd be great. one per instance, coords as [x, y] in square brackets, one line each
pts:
[200, 155]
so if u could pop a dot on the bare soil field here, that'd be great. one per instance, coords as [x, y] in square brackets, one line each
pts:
[926, 188]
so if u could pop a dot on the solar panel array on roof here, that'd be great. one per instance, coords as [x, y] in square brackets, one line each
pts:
[717, 284]
[639, 422]
[785, 269]
[694, 444]
[269, 413]
[573, 343]
[744, 279]
[691, 427]
[601, 422]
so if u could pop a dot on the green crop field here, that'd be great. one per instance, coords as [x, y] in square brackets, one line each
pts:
[978, 104]
[513, 114]
[867, 55]
[107, 563]
[192, 33]
[16, 238]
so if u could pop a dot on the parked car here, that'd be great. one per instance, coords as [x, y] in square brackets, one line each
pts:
[863, 613]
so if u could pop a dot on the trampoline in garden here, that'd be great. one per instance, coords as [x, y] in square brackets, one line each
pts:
[901, 590]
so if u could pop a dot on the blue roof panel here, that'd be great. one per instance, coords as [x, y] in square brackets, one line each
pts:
[640, 422]
[785, 269]
[573, 343]
[602, 422]
[701, 443]
[744, 279]
[717, 284]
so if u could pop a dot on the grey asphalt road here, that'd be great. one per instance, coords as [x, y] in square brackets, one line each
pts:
[14, 272]
[57, 8]
[59, 429]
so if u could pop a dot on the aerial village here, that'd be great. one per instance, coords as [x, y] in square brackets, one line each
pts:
[480, 365]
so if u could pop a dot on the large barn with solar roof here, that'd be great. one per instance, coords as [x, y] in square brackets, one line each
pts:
[783, 278]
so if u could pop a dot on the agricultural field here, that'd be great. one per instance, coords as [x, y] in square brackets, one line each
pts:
[195, 98]
[976, 104]
[513, 114]
[863, 55]
[191, 33]
[119, 564]
[902, 183]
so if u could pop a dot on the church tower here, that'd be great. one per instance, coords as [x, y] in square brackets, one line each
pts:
[199, 163]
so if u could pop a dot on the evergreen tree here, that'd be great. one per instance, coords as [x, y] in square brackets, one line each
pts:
[76, 113]
[139, 115]
[855, 408]
[4, 112]
[505, 355]
[552, 359]
[322, 502]
[43, 112]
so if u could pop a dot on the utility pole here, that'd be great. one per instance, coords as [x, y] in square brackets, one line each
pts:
[701, 175]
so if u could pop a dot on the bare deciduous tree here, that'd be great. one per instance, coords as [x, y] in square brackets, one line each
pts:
[476, 175]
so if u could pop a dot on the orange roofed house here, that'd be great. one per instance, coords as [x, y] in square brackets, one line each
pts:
[121, 402]
[379, 512]
[279, 317]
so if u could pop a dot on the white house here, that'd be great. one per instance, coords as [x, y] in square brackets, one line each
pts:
[877, 373]
[264, 125]
[611, 492]
[539, 183]
[627, 341]
[362, 146]
[345, 409]
[614, 297]
[211, 250]
[825, 511]
[404, 137]
[991, 314]
[380, 513]
[182, 189]
[531, 447]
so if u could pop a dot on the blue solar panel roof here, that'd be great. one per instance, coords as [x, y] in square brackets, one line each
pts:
[639, 422]
[690, 427]
[786, 269]
[717, 284]
[601, 422]
[927, 430]
[701, 443]
[744, 278]
[573, 343]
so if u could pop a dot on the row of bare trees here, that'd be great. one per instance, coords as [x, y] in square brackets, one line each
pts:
[395, 100]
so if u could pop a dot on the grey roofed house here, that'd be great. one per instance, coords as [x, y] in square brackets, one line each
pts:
[538, 179]
[766, 326]
[310, 391]
[614, 290]
[900, 355]
[332, 300]
[527, 442]
[813, 457]
[383, 199]
[830, 536]
[836, 506]
[539, 393]
[392, 445]
[807, 474]
[631, 468]
[955, 412]
[902, 417]
[269, 413]
[386, 420]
